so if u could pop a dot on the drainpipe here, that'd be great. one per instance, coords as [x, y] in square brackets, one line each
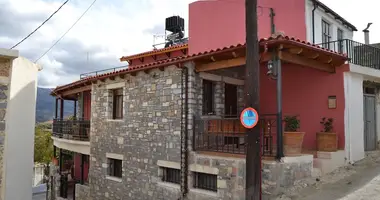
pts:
[366, 34]
[313, 20]
[184, 130]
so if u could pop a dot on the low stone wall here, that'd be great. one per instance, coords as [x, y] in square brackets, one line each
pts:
[82, 192]
[276, 176]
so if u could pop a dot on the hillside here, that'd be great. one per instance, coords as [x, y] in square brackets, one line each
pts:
[45, 107]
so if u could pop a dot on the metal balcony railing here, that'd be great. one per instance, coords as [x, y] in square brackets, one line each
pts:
[358, 53]
[100, 72]
[227, 135]
[72, 129]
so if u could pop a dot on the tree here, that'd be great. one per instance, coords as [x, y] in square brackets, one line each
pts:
[43, 145]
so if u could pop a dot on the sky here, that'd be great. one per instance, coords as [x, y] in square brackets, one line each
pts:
[115, 28]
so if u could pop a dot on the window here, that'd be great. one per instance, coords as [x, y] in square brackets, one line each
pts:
[117, 112]
[205, 181]
[171, 175]
[230, 100]
[340, 40]
[326, 37]
[208, 97]
[115, 167]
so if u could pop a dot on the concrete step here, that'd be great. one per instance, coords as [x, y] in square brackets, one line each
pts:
[329, 161]
[316, 172]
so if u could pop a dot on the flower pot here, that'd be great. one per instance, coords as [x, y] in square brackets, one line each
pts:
[55, 161]
[327, 142]
[293, 143]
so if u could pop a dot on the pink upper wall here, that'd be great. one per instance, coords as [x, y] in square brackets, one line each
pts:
[305, 93]
[220, 23]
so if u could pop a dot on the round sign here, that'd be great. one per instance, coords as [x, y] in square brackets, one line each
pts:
[249, 117]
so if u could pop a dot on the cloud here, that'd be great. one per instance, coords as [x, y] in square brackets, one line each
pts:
[109, 30]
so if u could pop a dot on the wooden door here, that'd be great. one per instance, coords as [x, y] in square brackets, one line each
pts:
[230, 100]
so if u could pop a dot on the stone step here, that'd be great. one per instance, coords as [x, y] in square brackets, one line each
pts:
[316, 172]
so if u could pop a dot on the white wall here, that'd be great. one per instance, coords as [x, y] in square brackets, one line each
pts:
[320, 14]
[353, 117]
[20, 124]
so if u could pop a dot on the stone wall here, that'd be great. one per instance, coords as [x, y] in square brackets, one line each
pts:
[5, 66]
[148, 138]
[148, 132]
[82, 192]
[230, 176]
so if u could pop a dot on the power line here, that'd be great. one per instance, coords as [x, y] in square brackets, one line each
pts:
[40, 25]
[66, 31]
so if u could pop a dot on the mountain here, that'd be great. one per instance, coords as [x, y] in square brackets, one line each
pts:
[45, 108]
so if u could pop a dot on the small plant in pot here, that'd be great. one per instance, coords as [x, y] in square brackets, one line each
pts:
[293, 138]
[327, 139]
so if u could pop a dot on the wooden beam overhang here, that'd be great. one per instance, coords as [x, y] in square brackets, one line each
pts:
[220, 64]
[304, 61]
[76, 90]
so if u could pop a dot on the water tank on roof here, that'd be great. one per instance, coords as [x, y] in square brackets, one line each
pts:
[175, 24]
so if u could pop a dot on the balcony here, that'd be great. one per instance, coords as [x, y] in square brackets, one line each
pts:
[76, 129]
[227, 135]
[358, 53]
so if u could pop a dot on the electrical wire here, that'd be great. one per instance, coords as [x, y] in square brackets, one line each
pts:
[40, 25]
[55, 43]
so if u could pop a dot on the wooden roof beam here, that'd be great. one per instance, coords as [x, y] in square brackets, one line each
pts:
[303, 61]
[221, 64]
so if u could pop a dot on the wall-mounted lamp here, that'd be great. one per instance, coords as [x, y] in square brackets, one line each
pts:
[272, 73]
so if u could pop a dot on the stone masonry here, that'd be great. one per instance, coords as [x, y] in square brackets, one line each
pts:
[5, 66]
[148, 136]
[149, 132]
[82, 192]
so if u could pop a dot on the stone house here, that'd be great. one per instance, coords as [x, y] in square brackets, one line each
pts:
[167, 126]
[148, 121]
[18, 83]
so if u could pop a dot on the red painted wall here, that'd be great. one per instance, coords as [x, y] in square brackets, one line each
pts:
[87, 105]
[305, 93]
[225, 25]
[77, 163]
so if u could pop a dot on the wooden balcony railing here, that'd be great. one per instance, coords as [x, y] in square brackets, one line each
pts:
[72, 129]
[227, 135]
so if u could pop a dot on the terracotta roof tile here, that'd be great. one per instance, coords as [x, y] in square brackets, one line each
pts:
[171, 61]
[147, 53]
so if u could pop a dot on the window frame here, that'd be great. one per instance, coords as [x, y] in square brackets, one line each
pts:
[326, 34]
[339, 36]
[171, 175]
[208, 108]
[117, 104]
[112, 169]
[206, 183]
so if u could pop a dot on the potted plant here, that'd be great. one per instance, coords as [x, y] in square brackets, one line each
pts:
[327, 140]
[293, 138]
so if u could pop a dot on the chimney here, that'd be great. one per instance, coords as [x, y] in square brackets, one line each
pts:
[366, 34]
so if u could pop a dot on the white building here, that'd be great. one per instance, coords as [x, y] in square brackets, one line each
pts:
[18, 87]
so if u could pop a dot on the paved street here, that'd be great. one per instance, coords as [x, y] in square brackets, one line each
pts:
[360, 181]
[39, 197]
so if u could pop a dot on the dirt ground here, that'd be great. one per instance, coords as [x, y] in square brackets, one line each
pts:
[360, 181]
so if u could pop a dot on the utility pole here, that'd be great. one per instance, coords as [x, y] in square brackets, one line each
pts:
[252, 98]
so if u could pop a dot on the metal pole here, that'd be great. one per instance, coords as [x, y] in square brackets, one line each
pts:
[280, 144]
[272, 26]
[252, 98]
